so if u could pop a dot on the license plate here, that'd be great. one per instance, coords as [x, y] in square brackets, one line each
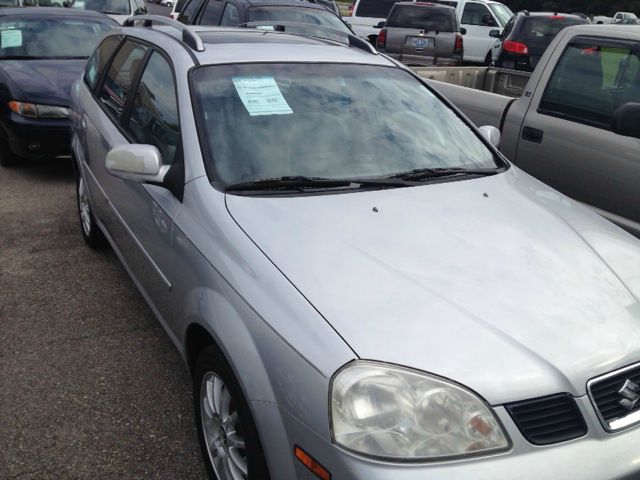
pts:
[420, 42]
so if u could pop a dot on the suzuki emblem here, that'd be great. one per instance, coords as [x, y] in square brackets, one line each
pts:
[631, 393]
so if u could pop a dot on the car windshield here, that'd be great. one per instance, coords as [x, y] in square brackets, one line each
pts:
[502, 13]
[54, 37]
[538, 32]
[336, 121]
[113, 7]
[312, 16]
[423, 17]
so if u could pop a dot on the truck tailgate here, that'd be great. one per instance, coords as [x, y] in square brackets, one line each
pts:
[482, 108]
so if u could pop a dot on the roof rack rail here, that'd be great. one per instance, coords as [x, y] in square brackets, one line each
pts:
[191, 38]
[362, 44]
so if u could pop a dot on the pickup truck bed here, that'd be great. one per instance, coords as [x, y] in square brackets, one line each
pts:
[488, 79]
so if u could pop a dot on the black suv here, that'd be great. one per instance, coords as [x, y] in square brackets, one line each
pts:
[528, 34]
[295, 15]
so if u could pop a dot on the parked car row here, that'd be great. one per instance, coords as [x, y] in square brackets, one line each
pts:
[361, 283]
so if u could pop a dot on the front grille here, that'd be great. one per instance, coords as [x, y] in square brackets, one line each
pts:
[610, 403]
[548, 420]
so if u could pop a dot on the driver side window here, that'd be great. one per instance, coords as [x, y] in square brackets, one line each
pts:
[154, 114]
[477, 14]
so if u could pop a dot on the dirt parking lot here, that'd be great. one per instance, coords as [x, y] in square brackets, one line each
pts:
[90, 385]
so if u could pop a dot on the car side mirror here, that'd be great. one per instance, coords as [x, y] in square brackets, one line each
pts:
[492, 134]
[381, 24]
[626, 120]
[494, 33]
[463, 31]
[136, 162]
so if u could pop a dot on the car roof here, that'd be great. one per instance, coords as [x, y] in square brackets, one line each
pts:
[549, 14]
[282, 3]
[622, 32]
[249, 45]
[52, 12]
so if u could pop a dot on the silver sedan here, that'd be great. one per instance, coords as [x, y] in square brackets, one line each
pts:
[360, 284]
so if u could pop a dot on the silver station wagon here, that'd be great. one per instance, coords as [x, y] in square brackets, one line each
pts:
[361, 285]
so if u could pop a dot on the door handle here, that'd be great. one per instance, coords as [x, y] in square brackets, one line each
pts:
[534, 135]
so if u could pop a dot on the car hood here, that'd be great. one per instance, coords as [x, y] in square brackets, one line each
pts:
[499, 283]
[44, 81]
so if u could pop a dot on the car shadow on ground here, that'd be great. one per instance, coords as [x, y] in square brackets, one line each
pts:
[47, 170]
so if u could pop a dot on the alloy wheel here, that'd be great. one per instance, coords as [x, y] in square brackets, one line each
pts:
[83, 205]
[222, 429]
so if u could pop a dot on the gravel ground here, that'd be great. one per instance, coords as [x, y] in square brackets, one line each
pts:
[90, 385]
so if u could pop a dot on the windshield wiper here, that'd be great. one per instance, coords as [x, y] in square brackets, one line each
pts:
[418, 174]
[301, 182]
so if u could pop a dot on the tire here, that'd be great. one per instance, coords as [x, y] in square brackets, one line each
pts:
[91, 233]
[488, 59]
[7, 157]
[226, 424]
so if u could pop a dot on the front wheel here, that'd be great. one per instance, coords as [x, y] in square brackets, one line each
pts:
[226, 430]
[91, 233]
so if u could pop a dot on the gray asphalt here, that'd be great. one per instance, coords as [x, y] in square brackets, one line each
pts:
[90, 385]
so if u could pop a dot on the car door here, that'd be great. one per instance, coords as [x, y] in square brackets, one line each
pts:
[566, 139]
[478, 21]
[137, 105]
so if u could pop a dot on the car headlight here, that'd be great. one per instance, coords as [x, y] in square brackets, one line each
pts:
[397, 413]
[38, 111]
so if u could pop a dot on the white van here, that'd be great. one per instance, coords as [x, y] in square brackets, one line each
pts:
[478, 17]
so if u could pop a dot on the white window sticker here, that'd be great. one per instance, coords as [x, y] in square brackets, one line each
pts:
[10, 38]
[261, 96]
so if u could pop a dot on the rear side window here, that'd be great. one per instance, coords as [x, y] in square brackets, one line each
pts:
[120, 77]
[422, 17]
[477, 14]
[591, 81]
[212, 12]
[374, 8]
[99, 60]
[230, 17]
[154, 114]
[538, 32]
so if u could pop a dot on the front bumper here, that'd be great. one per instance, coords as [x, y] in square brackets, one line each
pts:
[596, 456]
[52, 135]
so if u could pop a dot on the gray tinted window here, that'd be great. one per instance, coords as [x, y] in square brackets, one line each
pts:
[374, 8]
[423, 17]
[188, 14]
[212, 12]
[154, 114]
[591, 81]
[119, 78]
[99, 59]
[538, 32]
[230, 17]
[477, 14]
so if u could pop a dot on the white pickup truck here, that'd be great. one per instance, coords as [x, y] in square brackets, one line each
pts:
[576, 127]
[478, 17]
